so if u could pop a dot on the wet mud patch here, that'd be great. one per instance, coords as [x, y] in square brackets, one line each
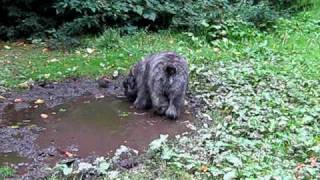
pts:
[75, 122]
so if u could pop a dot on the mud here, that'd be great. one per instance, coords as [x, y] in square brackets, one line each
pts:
[81, 120]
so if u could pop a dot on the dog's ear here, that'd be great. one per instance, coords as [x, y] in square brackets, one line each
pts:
[170, 69]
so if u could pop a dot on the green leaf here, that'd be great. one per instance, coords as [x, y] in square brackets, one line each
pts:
[138, 9]
[156, 144]
[167, 153]
[230, 175]
[150, 14]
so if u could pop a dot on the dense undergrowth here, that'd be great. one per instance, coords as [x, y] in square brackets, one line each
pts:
[60, 21]
[261, 90]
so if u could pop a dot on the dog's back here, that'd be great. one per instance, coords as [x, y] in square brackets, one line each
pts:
[167, 72]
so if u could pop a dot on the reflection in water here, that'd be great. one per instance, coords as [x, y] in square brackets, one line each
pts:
[100, 126]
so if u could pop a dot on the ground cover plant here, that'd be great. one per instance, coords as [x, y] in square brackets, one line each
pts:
[260, 92]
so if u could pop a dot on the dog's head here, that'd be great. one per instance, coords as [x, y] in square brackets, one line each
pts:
[130, 87]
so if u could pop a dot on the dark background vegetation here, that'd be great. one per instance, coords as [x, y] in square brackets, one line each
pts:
[62, 19]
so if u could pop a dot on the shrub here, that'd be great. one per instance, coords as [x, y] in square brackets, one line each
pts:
[59, 18]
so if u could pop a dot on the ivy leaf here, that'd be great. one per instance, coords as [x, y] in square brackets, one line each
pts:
[150, 14]
[138, 9]
[156, 144]
[64, 168]
[230, 175]
[167, 153]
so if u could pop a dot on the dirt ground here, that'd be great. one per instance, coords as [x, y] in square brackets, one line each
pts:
[20, 141]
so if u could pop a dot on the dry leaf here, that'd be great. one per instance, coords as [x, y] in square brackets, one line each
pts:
[313, 161]
[44, 116]
[53, 60]
[45, 50]
[7, 47]
[204, 168]
[39, 101]
[2, 98]
[99, 96]
[191, 126]
[68, 154]
[18, 100]
[90, 50]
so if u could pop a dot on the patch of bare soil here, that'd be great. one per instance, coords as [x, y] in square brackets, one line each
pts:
[74, 119]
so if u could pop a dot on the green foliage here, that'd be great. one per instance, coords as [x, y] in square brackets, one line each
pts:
[261, 90]
[59, 19]
[261, 15]
[6, 172]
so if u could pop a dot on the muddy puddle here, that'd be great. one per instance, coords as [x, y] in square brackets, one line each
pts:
[6, 159]
[82, 127]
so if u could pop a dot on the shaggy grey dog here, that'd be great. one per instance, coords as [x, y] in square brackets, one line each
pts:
[158, 81]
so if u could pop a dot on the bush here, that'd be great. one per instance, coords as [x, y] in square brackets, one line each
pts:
[59, 18]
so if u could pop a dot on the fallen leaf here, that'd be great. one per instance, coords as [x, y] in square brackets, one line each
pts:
[7, 47]
[53, 60]
[2, 98]
[44, 116]
[99, 96]
[20, 43]
[216, 50]
[27, 84]
[313, 161]
[18, 100]
[139, 114]
[90, 50]
[115, 74]
[191, 126]
[45, 50]
[68, 154]
[39, 101]
[204, 168]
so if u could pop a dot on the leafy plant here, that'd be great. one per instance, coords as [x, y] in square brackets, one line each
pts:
[6, 171]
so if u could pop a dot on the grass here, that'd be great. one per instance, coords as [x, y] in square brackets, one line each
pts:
[6, 171]
[262, 91]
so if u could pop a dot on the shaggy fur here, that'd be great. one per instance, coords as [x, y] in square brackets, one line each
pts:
[158, 81]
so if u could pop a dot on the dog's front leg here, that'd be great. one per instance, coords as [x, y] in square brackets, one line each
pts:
[173, 110]
[159, 102]
[143, 99]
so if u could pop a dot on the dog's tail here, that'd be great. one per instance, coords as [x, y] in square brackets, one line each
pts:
[170, 69]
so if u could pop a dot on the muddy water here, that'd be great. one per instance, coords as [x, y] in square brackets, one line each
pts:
[90, 126]
[11, 158]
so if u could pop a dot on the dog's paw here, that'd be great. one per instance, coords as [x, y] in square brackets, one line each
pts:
[161, 110]
[171, 113]
[140, 104]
